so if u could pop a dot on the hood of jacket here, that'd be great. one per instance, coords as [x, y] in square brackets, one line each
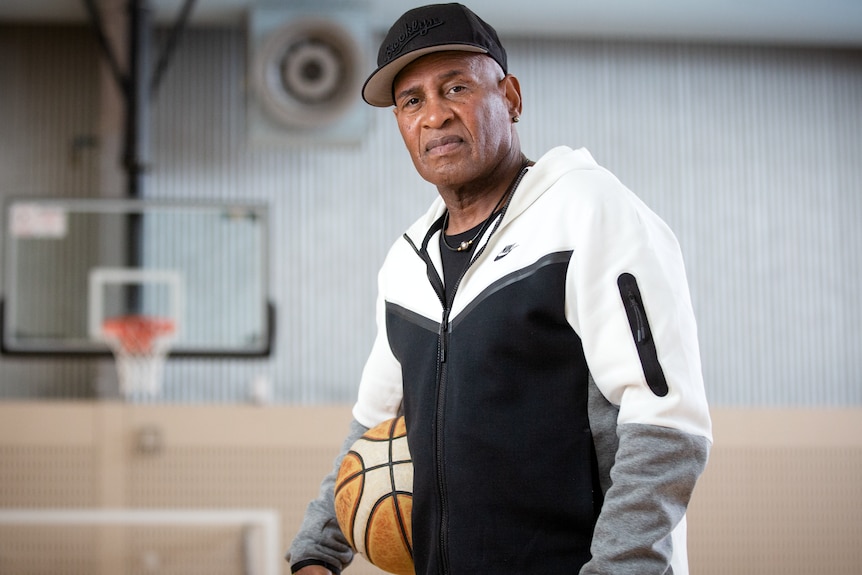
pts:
[547, 170]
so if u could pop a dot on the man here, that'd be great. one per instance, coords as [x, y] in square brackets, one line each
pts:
[536, 330]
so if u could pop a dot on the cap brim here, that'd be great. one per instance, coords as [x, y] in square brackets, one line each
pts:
[377, 90]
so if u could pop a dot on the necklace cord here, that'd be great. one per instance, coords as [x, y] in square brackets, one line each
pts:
[466, 245]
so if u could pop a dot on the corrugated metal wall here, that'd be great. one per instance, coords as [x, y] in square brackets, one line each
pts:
[750, 153]
[49, 86]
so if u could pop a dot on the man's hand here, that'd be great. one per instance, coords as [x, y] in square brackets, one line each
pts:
[313, 570]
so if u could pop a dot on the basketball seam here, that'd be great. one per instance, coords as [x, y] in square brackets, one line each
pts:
[373, 532]
[398, 512]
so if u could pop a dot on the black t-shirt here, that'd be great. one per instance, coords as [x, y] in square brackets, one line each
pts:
[454, 262]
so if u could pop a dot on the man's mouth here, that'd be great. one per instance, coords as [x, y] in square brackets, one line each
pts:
[441, 142]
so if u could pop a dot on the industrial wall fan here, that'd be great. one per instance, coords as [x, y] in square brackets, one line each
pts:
[305, 70]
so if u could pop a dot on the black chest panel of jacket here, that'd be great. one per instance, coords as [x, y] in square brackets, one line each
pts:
[504, 465]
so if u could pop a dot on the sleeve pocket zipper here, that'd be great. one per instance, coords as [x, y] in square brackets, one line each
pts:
[645, 344]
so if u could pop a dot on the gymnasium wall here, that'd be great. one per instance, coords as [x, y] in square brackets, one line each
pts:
[749, 152]
[781, 495]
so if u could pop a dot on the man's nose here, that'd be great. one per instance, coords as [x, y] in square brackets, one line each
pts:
[437, 112]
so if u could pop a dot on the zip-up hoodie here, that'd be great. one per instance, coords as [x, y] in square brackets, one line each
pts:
[556, 413]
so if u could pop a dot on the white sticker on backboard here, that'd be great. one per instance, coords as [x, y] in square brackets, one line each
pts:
[37, 221]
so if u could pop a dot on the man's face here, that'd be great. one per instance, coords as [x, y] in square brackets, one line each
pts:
[454, 112]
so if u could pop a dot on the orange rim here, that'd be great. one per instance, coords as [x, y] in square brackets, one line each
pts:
[136, 333]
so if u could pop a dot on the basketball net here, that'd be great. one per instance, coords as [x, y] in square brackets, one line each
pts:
[140, 345]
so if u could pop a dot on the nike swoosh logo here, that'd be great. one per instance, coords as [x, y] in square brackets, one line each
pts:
[506, 251]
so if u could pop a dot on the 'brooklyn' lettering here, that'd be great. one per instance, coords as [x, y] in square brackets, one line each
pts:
[411, 30]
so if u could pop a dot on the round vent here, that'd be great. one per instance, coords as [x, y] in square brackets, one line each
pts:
[306, 74]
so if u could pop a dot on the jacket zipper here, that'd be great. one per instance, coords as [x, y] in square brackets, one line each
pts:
[442, 351]
[644, 343]
[442, 356]
[438, 423]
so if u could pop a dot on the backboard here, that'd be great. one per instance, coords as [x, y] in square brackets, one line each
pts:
[71, 264]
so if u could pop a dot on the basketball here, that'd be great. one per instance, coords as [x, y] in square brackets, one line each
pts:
[374, 497]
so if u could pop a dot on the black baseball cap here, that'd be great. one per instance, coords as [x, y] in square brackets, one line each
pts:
[420, 31]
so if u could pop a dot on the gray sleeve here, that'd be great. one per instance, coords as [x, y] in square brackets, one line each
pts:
[651, 479]
[320, 540]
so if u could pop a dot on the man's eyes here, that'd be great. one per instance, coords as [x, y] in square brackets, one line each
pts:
[414, 101]
[410, 102]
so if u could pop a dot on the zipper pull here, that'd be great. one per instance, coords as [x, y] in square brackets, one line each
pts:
[444, 336]
[630, 295]
[640, 329]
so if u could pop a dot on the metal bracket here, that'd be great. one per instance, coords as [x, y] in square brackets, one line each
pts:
[136, 85]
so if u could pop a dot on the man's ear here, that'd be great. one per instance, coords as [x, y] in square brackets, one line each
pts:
[513, 95]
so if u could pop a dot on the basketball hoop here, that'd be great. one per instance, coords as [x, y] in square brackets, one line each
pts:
[140, 344]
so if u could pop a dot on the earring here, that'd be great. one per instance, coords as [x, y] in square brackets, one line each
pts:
[516, 119]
